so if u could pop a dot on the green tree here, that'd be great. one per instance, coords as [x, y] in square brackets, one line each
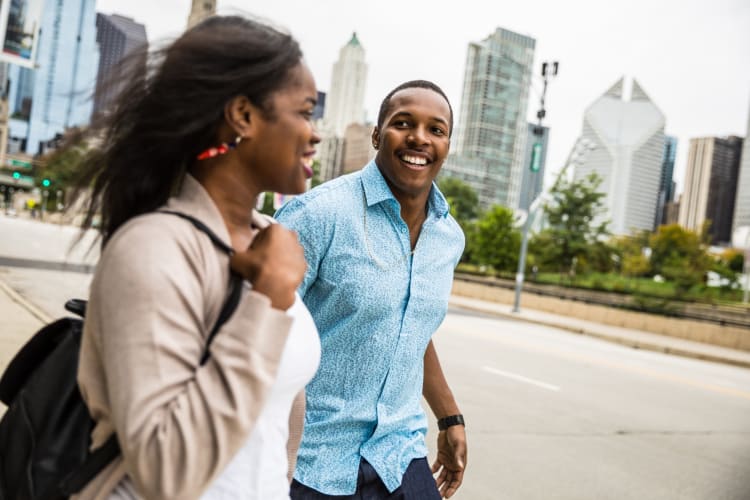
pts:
[572, 238]
[496, 242]
[315, 180]
[679, 256]
[734, 259]
[462, 199]
[632, 254]
[62, 165]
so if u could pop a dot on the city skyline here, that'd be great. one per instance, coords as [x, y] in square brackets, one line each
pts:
[690, 55]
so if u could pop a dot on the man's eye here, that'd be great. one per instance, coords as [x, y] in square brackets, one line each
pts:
[438, 131]
[401, 123]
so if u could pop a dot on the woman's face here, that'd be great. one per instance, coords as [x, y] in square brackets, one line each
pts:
[283, 143]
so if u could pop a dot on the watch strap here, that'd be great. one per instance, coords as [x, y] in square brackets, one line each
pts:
[445, 422]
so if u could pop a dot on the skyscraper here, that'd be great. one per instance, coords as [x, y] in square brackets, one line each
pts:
[628, 135]
[117, 37]
[532, 182]
[711, 186]
[666, 185]
[358, 150]
[345, 102]
[492, 128]
[57, 93]
[742, 201]
[200, 10]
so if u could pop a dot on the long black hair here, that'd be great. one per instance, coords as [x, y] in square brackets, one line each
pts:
[170, 109]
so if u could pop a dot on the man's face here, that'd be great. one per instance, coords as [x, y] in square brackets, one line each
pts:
[413, 142]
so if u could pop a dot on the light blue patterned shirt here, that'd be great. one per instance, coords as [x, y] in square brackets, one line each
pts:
[376, 306]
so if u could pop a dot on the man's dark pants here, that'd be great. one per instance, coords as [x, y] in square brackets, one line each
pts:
[417, 484]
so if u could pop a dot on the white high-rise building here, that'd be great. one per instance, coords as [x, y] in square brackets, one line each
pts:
[628, 135]
[345, 102]
[742, 201]
[200, 10]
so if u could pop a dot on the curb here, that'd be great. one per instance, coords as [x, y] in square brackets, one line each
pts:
[633, 343]
[21, 301]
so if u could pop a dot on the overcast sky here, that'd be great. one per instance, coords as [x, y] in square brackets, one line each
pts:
[692, 57]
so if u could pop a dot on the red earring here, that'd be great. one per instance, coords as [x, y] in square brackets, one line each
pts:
[220, 149]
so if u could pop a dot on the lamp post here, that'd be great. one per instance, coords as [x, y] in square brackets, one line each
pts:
[548, 70]
[579, 151]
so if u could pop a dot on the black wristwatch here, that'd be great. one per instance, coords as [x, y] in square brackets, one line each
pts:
[445, 422]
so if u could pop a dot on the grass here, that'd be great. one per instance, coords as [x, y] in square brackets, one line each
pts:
[611, 282]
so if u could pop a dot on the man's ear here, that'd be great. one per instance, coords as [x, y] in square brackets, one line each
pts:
[239, 113]
[375, 138]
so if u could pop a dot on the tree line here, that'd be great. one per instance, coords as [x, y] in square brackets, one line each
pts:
[573, 246]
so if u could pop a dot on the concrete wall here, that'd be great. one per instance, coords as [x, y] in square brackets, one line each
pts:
[699, 331]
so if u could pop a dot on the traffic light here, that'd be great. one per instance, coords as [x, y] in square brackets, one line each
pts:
[16, 175]
[45, 182]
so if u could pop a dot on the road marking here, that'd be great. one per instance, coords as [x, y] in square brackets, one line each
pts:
[560, 353]
[521, 378]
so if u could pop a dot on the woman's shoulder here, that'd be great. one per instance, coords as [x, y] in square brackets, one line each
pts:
[154, 238]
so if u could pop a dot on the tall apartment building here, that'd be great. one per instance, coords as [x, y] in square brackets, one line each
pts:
[628, 139]
[55, 95]
[358, 150]
[742, 200]
[117, 37]
[492, 128]
[532, 182]
[711, 186]
[345, 102]
[666, 184]
[200, 10]
[320, 106]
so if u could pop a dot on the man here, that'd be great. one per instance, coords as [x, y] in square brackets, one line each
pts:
[381, 247]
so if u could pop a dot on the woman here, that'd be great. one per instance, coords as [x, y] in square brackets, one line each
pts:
[217, 118]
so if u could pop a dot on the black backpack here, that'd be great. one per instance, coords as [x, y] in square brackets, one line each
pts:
[45, 435]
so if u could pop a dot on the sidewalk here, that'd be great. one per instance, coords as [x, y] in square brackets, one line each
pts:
[632, 338]
[21, 319]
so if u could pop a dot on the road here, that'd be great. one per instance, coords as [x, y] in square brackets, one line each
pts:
[550, 415]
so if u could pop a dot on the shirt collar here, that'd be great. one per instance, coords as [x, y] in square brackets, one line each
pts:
[377, 190]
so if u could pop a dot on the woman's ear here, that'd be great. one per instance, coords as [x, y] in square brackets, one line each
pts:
[239, 113]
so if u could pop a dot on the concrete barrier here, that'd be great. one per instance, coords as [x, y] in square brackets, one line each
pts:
[699, 331]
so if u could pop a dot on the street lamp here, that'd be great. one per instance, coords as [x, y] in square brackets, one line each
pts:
[581, 148]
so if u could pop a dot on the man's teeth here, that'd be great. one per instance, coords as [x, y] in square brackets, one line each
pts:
[416, 160]
[307, 162]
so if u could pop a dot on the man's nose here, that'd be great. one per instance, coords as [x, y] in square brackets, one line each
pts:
[418, 135]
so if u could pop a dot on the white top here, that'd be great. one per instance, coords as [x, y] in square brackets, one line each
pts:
[259, 470]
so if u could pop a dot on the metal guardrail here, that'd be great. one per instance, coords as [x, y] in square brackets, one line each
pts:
[726, 315]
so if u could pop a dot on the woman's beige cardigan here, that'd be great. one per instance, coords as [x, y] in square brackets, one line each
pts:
[156, 293]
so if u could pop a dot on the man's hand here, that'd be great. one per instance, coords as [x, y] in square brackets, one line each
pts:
[451, 460]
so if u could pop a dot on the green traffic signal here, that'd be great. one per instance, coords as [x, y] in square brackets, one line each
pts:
[16, 175]
[45, 182]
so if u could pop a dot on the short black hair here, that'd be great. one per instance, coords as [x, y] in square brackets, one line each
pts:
[413, 84]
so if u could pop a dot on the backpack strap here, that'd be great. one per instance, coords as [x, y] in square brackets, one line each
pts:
[106, 453]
